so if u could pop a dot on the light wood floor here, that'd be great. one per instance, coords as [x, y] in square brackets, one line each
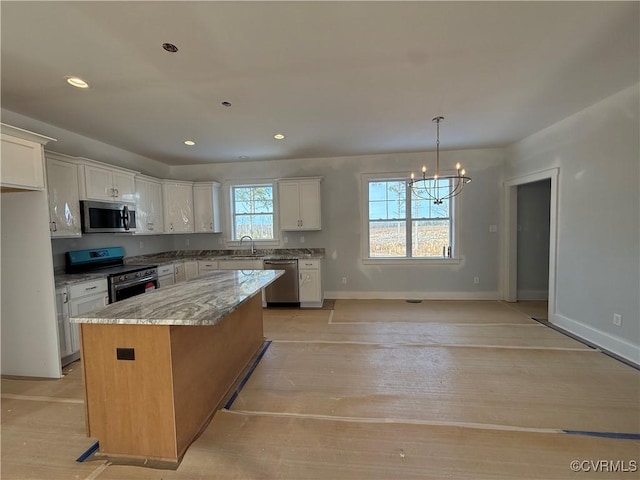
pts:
[373, 389]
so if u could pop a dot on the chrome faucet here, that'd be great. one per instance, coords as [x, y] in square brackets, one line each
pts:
[253, 250]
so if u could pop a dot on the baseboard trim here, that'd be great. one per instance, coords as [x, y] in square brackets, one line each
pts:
[354, 295]
[606, 341]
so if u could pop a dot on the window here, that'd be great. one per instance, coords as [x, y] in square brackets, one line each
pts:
[402, 225]
[252, 211]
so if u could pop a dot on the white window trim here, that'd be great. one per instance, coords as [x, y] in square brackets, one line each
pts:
[228, 213]
[365, 178]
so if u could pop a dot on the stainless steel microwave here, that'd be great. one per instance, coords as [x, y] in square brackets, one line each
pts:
[107, 217]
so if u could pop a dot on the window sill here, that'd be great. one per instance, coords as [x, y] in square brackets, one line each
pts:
[411, 261]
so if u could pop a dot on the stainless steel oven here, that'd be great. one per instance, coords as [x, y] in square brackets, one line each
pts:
[132, 282]
[123, 281]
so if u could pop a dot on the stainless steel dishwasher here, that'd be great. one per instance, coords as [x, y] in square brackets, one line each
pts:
[285, 289]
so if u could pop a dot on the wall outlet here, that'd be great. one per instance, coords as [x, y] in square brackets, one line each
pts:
[301, 238]
[285, 239]
[221, 241]
[344, 280]
[493, 228]
[617, 320]
[186, 242]
[476, 280]
[141, 244]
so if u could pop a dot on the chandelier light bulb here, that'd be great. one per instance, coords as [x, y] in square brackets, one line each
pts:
[424, 169]
[463, 172]
[458, 166]
[412, 176]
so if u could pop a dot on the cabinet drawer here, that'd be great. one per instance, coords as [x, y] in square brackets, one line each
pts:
[207, 265]
[165, 270]
[88, 288]
[308, 264]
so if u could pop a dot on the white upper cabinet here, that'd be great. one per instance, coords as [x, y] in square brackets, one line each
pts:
[299, 203]
[102, 182]
[21, 159]
[178, 206]
[206, 200]
[149, 210]
[62, 191]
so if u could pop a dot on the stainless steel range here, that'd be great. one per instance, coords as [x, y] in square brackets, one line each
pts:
[124, 281]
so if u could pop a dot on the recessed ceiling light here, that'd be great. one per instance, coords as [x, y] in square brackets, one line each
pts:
[170, 47]
[279, 136]
[77, 82]
[226, 104]
[189, 142]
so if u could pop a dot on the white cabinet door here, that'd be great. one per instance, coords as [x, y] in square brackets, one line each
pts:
[289, 205]
[81, 306]
[64, 202]
[310, 283]
[206, 200]
[149, 219]
[178, 207]
[64, 326]
[299, 204]
[21, 163]
[309, 192]
[180, 274]
[190, 269]
[124, 187]
[155, 218]
[99, 183]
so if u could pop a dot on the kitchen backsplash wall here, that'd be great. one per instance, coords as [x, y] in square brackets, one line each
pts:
[133, 245]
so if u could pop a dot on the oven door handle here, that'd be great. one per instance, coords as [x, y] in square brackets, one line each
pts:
[120, 286]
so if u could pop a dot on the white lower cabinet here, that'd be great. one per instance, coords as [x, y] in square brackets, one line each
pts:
[205, 266]
[72, 301]
[240, 264]
[190, 269]
[179, 273]
[310, 283]
[166, 275]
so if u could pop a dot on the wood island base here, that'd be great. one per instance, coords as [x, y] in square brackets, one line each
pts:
[150, 389]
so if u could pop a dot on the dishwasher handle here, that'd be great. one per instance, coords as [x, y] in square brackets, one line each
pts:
[280, 262]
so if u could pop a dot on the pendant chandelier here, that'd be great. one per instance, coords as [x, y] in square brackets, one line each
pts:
[438, 187]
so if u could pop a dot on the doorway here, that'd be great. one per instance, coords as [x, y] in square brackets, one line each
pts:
[530, 242]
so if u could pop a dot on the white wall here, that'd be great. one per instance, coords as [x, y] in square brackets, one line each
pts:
[130, 243]
[74, 144]
[29, 329]
[598, 247]
[342, 223]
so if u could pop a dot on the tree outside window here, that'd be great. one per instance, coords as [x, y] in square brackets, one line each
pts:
[252, 211]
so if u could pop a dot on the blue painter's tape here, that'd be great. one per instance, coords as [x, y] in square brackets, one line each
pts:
[246, 377]
[88, 453]
[622, 436]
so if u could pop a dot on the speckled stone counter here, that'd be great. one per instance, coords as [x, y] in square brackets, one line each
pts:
[200, 301]
[157, 366]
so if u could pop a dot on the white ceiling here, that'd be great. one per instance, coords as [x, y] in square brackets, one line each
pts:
[337, 78]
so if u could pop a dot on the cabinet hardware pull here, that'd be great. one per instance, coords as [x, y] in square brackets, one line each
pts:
[91, 288]
[65, 297]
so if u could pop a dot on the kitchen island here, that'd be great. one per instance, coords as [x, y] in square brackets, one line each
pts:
[157, 366]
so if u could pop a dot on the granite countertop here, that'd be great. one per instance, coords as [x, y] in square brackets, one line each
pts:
[62, 279]
[211, 255]
[65, 279]
[204, 300]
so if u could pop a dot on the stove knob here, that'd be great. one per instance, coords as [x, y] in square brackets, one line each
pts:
[121, 278]
[138, 274]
